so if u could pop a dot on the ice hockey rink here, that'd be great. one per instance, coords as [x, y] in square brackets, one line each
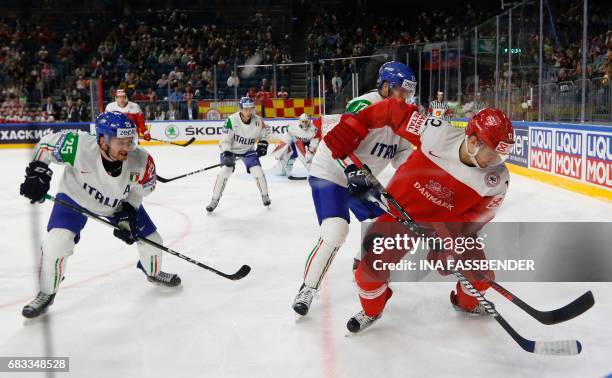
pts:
[112, 323]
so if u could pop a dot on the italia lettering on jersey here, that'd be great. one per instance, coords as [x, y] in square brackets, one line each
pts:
[243, 140]
[100, 197]
[385, 151]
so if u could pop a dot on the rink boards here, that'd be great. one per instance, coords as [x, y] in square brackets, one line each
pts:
[577, 157]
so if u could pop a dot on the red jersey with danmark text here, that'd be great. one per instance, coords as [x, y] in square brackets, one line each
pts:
[433, 185]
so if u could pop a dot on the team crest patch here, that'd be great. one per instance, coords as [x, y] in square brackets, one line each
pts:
[492, 179]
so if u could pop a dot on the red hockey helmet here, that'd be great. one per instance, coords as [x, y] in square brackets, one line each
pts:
[493, 128]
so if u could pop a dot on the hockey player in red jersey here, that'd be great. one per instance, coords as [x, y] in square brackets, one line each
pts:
[453, 176]
[132, 110]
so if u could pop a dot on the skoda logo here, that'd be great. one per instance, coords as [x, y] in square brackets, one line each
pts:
[171, 131]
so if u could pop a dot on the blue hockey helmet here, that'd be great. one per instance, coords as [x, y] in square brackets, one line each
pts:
[246, 102]
[397, 74]
[116, 125]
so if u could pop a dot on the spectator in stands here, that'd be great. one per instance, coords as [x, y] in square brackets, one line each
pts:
[233, 81]
[162, 82]
[139, 96]
[191, 111]
[148, 113]
[282, 93]
[176, 95]
[172, 113]
[72, 112]
[50, 107]
[336, 83]
[151, 95]
[82, 111]
[160, 115]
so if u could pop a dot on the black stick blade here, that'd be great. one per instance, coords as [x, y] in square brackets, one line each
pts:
[240, 274]
[567, 312]
[188, 142]
[161, 179]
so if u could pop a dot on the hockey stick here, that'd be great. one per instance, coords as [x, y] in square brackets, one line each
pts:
[562, 314]
[556, 348]
[241, 273]
[176, 144]
[559, 315]
[559, 348]
[164, 180]
[297, 178]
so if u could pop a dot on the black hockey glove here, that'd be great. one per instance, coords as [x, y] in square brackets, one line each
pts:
[127, 220]
[358, 183]
[37, 179]
[262, 148]
[228, 159]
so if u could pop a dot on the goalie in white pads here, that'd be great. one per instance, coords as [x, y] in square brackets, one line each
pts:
[244, 136]
[300, 142]
[107, 174]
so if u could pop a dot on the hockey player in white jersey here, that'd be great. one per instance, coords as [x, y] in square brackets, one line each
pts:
[244, 136]
[300, 142]
[339, 187]
[107, 174]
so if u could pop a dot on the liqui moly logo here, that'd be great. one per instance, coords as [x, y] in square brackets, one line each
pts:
[568, 154]
[541, 145]
[599, 159]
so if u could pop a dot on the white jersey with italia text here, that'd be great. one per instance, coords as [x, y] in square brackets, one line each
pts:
[86, 181]
[239, 137]
[379, 148]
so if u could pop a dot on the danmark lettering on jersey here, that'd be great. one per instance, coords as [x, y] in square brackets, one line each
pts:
[439, 191]
[101, 198]
[386, 151]
[415, 123]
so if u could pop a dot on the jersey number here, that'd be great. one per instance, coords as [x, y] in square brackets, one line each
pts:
[67, 147]
[433, 122]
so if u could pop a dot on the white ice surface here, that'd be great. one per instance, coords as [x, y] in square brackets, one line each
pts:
[112, 323]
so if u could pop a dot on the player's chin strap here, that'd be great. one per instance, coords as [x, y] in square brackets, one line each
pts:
[559, 348]
[472, 155]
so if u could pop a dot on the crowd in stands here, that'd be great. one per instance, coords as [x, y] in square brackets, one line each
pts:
[167, 60]
[171, 54]
[358, 33]
[566, 58]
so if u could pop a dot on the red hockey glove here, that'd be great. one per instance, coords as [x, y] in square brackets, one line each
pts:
[345, 137]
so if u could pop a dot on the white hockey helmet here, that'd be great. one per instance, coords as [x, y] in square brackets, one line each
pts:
[304, 121]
